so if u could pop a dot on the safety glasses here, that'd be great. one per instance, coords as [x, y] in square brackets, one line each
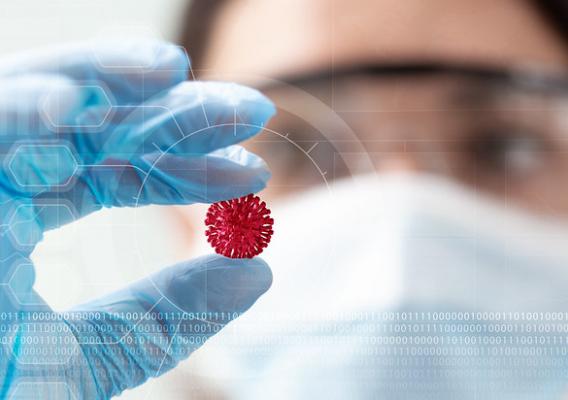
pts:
[501, 131]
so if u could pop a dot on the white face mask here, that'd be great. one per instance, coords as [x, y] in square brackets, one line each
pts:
[404, 287]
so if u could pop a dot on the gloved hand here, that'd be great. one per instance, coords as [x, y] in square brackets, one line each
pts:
[113, 125]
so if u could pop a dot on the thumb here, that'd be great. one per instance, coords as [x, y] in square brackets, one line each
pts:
[145, 329]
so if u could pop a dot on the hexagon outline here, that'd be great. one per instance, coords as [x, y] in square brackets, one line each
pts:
[11, 289]
[65, 206]
[34, 383]
[105, 94]
[63, 184]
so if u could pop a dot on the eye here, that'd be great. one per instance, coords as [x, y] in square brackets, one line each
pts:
[507, 150]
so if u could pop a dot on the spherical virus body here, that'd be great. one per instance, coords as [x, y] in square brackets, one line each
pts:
[239, 228]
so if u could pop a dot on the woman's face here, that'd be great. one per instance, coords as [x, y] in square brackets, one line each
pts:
[503, 136]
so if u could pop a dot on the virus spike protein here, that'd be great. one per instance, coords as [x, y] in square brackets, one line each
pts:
[239, 228]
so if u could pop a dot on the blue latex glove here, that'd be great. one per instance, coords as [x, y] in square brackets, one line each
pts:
[112, 125]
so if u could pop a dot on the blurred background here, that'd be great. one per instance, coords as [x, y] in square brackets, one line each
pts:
[498, 135]
[32, 23]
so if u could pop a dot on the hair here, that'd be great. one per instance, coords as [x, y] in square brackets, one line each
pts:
[200, 20]
[202, 15]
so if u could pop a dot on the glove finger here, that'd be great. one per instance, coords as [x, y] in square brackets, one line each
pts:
[150, 326]
[192, 117]
[156, 178]
[131, 70]
[33, 106]
[178, 122]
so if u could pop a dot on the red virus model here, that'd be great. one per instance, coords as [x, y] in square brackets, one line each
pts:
[239, 228]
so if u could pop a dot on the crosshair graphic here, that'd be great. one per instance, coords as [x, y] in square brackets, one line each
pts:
[322, 107]
[285, 137]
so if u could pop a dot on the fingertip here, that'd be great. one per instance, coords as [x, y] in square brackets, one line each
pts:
[238, 155]
[215, 283]
[175, 59]
[255, 111]
[246, 108]
[264, 271]
[268, 109]
[247, 94]
[242, 276]
[235, 172]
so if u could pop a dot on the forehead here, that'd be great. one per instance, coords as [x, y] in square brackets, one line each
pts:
[275, 37]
